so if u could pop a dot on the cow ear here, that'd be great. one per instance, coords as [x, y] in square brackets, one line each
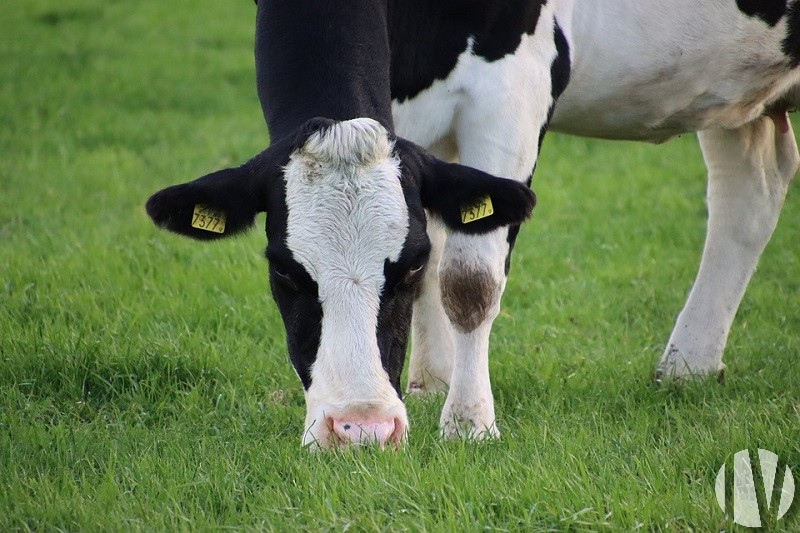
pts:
[471, 201]
[217, 205]
[222, 203]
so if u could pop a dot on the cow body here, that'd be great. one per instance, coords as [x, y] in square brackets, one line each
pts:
[639, 71]
[650, 71]
[728, 70]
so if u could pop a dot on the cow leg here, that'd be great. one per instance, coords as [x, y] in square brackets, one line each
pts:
[749, 171]
[431, 360]
[500, 134]
[472, 279]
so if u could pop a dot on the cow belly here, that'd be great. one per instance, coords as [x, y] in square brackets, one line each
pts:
[662, 111]
[652, 70]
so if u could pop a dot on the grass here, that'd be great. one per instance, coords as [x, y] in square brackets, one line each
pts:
[143, 378]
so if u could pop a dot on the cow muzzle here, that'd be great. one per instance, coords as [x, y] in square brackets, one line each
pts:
[380, 432]
[369, 424]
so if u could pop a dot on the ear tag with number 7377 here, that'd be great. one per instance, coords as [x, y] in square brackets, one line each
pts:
[480, 208]
[208, 219]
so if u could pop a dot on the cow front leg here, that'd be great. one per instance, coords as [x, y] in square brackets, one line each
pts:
[431, 360]
[749, 171]
[504, 107]
[472, 278]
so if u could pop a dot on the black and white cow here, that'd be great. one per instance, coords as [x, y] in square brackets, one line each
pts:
[727, 69]
[478, 82]
[345, 202]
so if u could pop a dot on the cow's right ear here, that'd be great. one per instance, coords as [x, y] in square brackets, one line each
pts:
[466, 199]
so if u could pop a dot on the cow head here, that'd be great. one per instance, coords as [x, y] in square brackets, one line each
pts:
[347, 246]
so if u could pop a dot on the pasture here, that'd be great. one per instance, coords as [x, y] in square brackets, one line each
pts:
[144, 383]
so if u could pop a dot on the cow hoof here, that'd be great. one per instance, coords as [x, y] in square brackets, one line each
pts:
[473, 425]
[676, 367]
[467, 430]
[424, 382]
[430, 387]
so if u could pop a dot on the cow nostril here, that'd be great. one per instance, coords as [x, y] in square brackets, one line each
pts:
[369, 431]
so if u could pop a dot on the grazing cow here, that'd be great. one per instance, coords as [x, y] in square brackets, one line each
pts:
[641, 71]
[346, 204]
[478, 82]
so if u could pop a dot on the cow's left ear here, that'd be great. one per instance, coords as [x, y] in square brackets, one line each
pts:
[471, 201]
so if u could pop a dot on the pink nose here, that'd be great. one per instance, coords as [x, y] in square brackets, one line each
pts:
[354, 431]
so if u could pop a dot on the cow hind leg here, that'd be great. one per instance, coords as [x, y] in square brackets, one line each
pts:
[749, 171]
[431, 360]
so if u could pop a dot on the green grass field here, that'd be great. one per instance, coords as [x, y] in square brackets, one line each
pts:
[144, 383]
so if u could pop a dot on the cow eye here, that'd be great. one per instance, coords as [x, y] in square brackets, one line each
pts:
[415, 270]
[413, 274]
[284, 279]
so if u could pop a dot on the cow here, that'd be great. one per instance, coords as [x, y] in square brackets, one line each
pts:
[347, 205]
[646, 71]
[479, 83]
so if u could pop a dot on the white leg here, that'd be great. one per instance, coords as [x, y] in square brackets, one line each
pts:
[496, 111]
[431, 360]
[749, 171]
[497, 132]
[472, 280]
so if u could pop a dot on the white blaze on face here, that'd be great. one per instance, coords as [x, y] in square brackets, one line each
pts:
[346, 216]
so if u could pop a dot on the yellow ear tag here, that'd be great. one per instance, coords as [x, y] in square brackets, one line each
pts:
[208, 218]
[480, 208]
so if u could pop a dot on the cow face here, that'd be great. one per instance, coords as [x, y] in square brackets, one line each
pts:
[347, 247]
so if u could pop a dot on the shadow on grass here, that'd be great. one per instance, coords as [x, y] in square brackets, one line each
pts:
[58, 17]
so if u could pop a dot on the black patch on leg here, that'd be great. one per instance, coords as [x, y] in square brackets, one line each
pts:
[513, 231]
[770, 11]
[560, 71]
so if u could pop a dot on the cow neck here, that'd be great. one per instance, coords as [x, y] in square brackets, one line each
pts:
[322, 59]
